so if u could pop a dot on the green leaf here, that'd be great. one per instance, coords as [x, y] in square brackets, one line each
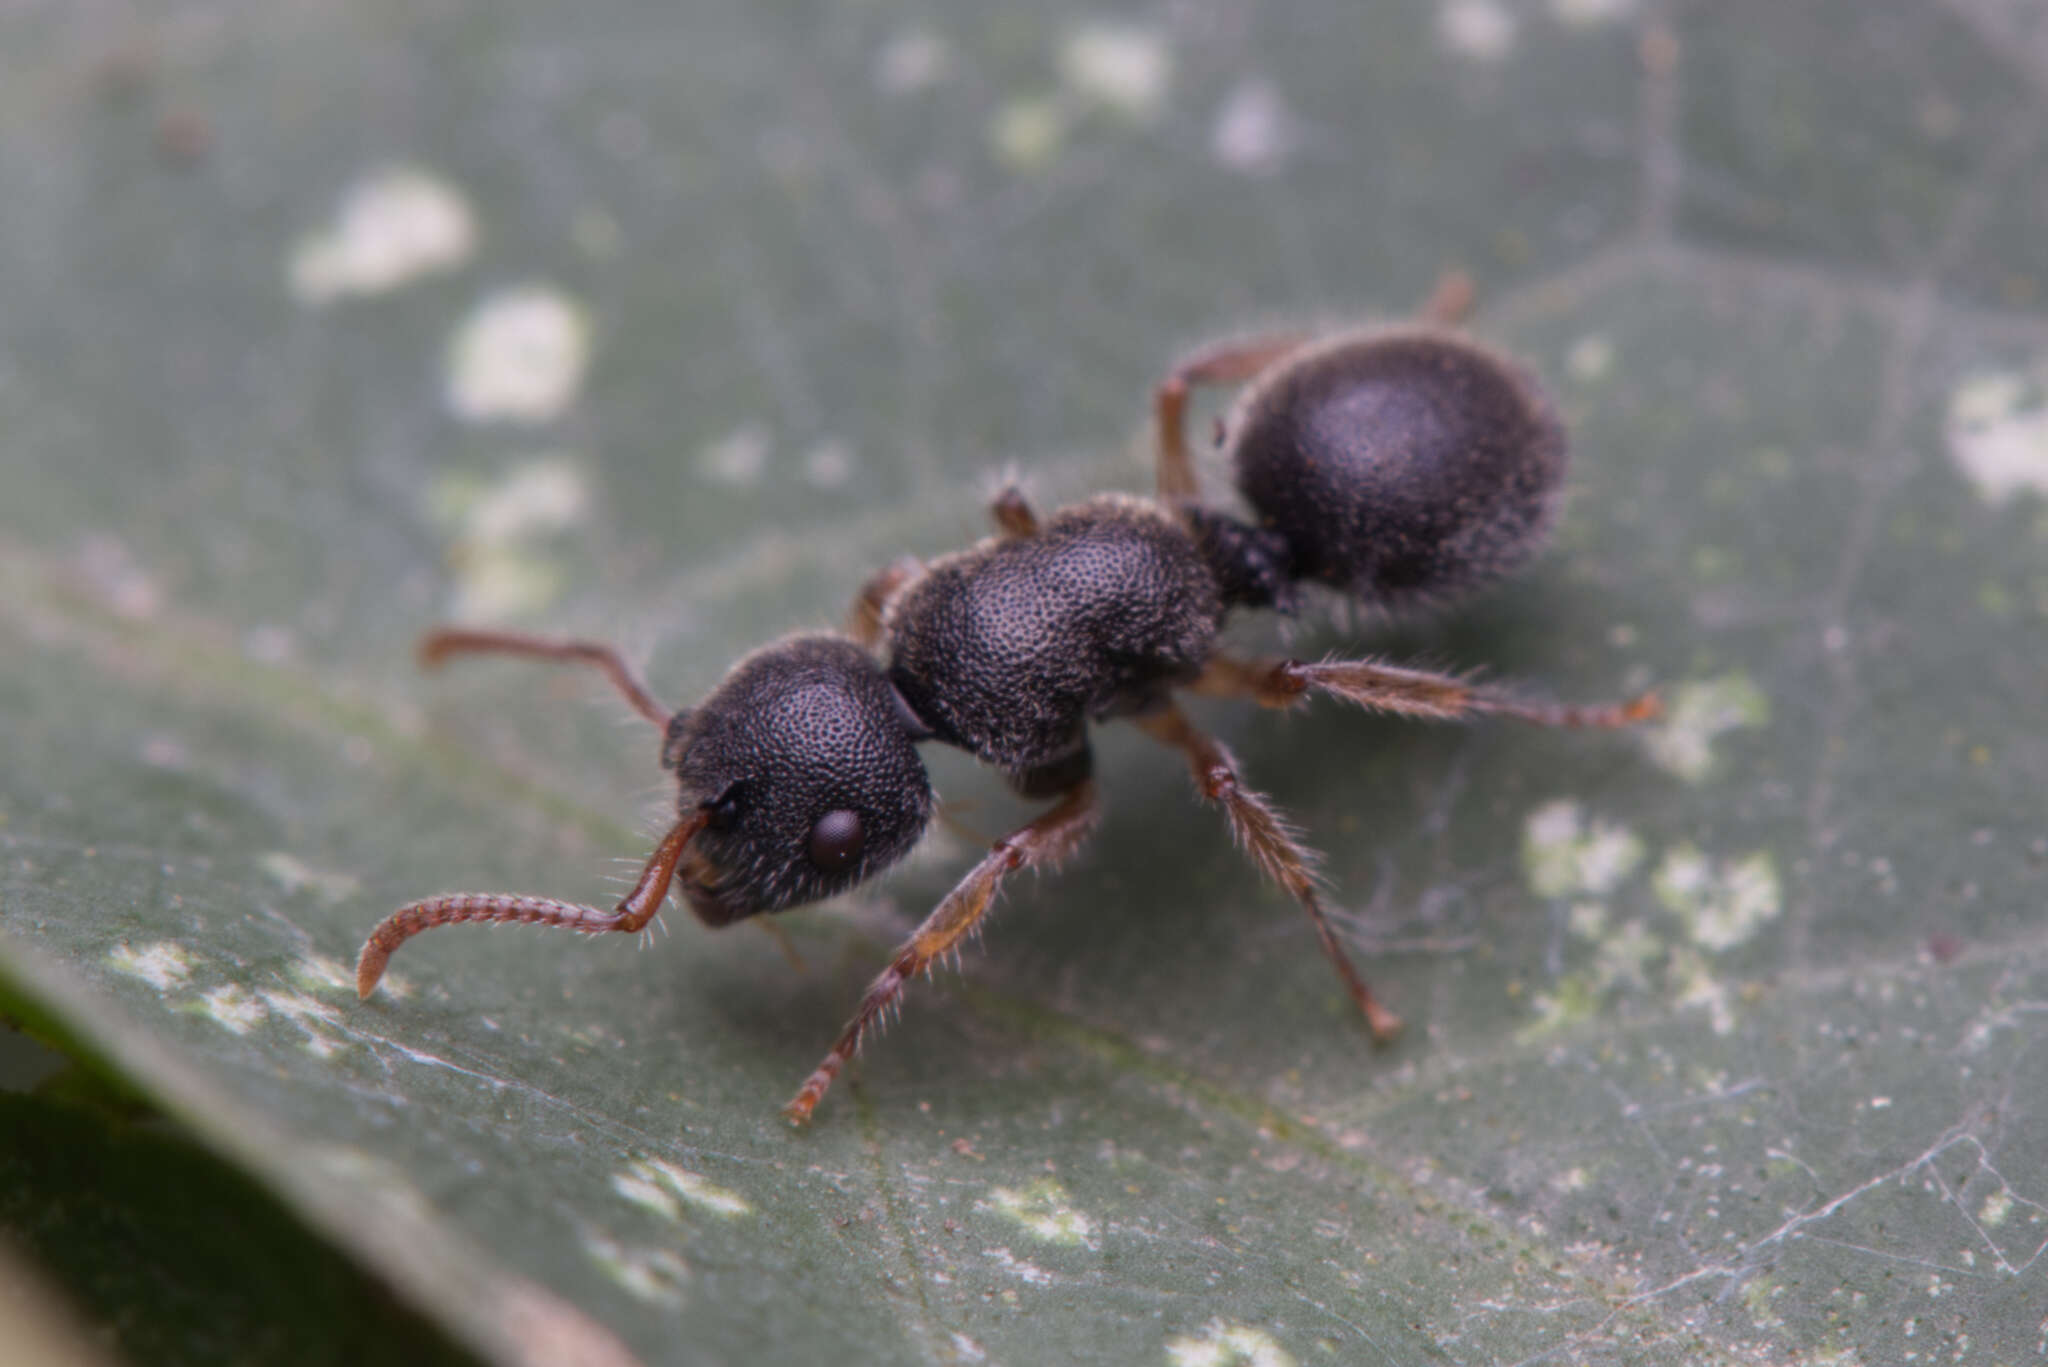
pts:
[325, 323]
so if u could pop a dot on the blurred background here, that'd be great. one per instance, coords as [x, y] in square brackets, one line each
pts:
[665, 325]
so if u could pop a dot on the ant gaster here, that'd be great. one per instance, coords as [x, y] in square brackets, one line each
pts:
[1399, 467]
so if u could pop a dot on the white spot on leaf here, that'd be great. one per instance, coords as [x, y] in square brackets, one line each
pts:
[519, 357]
[295, 875]
[1591, 358]
[1026, 133]
[163, 965]
[393, 227]
[1478, 30]
[665, 1188]
[1562, 856]
[1225, 1344]
[1590, 13]
[1698, 713]
[1254, 134]
[1722, 903]
[1045, 1211]
[1997, 431]
[653, 1274]
[913, 61]
[740, 457]
[1122, 66]
[233, 1009]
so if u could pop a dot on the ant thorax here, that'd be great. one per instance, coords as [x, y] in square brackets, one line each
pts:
[1008, 649]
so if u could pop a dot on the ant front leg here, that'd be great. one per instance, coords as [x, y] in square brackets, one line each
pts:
[1268, 838]
[1232, 362]
[1049, 839]
[1417, 693]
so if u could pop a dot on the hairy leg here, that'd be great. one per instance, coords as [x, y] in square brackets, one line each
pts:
[864, 618]
[1408, 692]
[1270, 842]
[1231, 362]
[453, 908]
[1013, 513]
[1047, 840]
[436, 646]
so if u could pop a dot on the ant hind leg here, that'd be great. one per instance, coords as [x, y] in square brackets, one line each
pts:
[1270, 841]
[1420, 693]
[1231, 362]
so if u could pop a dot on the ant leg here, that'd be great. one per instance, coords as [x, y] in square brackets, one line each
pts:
[437, 645]
[1407, 692]
[1231, 362]
[1013, 514]
[864, 618]
[1049, 839]
[453, 908]
[1269, 839]
[1450, 300]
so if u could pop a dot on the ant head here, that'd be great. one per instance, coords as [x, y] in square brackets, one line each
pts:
[804, 761]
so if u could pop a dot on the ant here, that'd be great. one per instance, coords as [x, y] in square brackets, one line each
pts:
[1399, 466]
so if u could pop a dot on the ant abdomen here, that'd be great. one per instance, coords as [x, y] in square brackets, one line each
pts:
[1399, 467]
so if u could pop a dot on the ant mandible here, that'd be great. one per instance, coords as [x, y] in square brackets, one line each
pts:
[1399, 466]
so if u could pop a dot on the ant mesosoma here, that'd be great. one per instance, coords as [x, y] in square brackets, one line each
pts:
[1398, 466]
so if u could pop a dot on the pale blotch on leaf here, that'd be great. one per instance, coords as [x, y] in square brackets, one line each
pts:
[322, 974]
[1021, 1268]
[294, 875]
[163, 965]
[1222, 1343]
[1991, 1214]
[501, 569]
[1591, 13]
[393, 227]
[1254, 133]
[1477, 30]
[519, 357]
[653, 1274]
[1026, 133]
[1124, 67]
[1591, 359]
[1997, 433]
[307, 1013]
[1625, 956]
[232, 1008]
[1693, 983]
[1562, 856]
[829, 464]
[1697, 714]
[665, 1188]
[738, 458]
[913, 61]
[1723, 903]
[1044, 1211]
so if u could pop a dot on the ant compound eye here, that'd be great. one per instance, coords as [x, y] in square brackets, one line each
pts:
[836, 841]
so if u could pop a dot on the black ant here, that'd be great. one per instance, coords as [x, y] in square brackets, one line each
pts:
[1399, 466]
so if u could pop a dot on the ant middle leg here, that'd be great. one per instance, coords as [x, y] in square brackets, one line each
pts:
[1421, 693]
[1047, 840]
[437, 645]
[864, 617]
[1231, 362]
[1269, 840]
[1013, 513]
